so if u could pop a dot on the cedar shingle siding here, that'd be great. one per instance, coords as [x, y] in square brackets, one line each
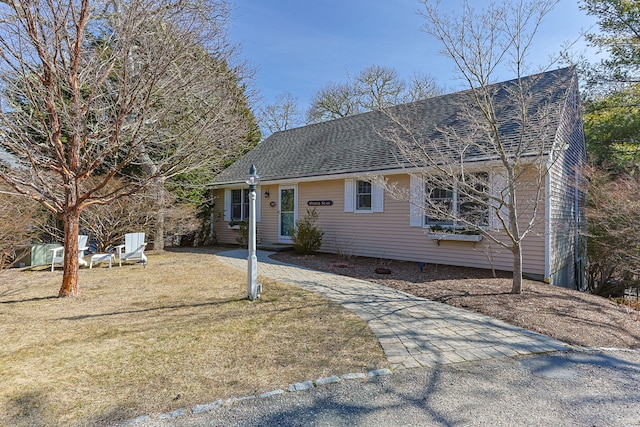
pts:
[567, 200]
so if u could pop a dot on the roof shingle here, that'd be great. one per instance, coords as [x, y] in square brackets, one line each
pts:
[354, 144]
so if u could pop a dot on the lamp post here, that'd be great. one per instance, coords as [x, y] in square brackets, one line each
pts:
[252, 260]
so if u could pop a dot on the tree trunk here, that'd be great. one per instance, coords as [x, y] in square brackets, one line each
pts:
[158, 235]
[516, 286]
[71, 265]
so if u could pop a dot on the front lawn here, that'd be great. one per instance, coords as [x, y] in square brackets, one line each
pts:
[149, 340]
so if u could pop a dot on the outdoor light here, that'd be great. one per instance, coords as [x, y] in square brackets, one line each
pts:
[252, 260]
[254, 178]
[266, 194]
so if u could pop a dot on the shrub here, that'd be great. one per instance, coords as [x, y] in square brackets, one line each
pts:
[307, 237]
[20, 219]
[242, 231]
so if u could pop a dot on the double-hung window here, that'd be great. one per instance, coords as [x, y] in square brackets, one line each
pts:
[363, 196]
[239, 204]
[473, 203]
[461, 204]
[440, 200]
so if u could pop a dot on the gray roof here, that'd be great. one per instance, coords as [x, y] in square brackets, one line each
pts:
[353, 144]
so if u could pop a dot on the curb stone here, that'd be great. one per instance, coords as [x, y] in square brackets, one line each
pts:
[327, 380]
[354, 376]
[140, 419]
[173, 414]
[233, 400]
[199, 409]
[304, 385]
[270, 393]
[380, 372]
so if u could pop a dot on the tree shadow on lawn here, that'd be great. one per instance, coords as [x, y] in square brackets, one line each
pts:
[154, 309]
[29, 299]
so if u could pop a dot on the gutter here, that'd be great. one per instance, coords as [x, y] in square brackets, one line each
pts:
[478, 163]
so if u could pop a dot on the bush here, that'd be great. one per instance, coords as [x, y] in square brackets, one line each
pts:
[307, 237]
[613, 247]
[20, 219]
[242, 231]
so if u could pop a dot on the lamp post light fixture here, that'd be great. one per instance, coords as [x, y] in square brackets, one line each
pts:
[252, 260]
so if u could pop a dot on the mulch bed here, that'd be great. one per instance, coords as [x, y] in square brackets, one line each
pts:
[574, 317]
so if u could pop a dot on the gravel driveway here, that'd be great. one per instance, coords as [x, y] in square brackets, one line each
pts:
[559, 389]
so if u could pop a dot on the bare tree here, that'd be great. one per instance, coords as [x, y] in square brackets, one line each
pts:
[108, 223]
[374, 88]
[19, 221]
[507, 126]
[614, 251]
[422, 86]
[283, 114]
[378, 87]
[333, 102]
[93, 89]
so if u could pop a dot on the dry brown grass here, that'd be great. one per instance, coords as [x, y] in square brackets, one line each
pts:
[173, 335]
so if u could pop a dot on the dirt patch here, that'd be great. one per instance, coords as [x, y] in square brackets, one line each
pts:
[574, 317]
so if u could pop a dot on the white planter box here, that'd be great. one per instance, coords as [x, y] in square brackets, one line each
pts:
[456, 237]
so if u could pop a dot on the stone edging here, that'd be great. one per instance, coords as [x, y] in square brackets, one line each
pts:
[301, 386]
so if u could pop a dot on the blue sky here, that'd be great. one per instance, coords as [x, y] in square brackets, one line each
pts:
[298, 46]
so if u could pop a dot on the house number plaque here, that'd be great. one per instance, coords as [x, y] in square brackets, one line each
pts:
[320, 203]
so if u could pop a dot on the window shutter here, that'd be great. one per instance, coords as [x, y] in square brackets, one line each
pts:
[349, 196]
[416, 201]
[377, 197]
[227, 204]
[499, 191]
[258, 204]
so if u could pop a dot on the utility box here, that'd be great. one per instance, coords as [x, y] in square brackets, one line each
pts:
[41, 253]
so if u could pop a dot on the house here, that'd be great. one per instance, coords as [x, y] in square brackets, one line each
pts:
[330, 166]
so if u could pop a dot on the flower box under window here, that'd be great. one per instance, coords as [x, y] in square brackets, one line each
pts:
[455, 237]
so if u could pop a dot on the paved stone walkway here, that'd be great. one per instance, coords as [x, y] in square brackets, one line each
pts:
[412, 331]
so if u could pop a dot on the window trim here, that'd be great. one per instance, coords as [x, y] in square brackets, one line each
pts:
[351, 196]
[228, 202]
[456, 203]
[244, 204]
[357, 195]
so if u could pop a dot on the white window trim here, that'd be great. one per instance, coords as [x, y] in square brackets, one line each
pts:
[350, 197]
[417, 197]
[227, 203]
[356, 194]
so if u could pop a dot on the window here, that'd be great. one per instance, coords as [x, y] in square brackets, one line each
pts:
[239, 204]
[463, 203]
[442, 200]
[473, 207]
[363, 196]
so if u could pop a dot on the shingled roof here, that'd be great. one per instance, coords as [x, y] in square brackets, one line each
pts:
[353, 145]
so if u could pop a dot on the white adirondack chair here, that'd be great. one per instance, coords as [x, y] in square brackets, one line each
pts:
[133, 249]
[57, 255]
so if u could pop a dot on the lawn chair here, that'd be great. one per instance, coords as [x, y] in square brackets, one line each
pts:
[133, 249]
[57, 254]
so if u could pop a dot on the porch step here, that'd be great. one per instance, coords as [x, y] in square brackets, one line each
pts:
[274, 247]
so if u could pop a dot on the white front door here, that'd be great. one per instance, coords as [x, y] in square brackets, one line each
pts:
[288, 202]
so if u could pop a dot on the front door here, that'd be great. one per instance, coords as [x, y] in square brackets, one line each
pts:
[288, 213]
